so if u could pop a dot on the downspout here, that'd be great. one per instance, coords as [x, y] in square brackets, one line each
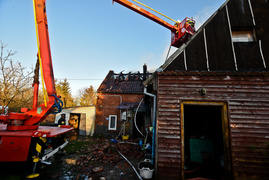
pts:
[154, 124]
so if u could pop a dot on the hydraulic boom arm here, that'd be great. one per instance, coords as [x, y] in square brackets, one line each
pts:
[30, 120]
[181, 31]
[147, 14]
[44, 47]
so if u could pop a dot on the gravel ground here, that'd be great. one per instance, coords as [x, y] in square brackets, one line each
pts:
[96, 159]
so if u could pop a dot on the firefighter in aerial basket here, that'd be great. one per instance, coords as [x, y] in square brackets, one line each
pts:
[190, 22]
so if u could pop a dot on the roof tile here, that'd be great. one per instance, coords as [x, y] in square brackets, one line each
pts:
[122, 83]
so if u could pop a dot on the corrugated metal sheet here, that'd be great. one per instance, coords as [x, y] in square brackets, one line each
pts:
[247, 98]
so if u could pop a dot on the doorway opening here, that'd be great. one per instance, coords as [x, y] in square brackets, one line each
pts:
[204, 145]
[74, 121]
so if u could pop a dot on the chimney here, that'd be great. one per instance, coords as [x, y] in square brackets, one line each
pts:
[144, 72]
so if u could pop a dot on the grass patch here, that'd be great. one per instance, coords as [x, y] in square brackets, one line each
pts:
[80, 146]
[76, 146]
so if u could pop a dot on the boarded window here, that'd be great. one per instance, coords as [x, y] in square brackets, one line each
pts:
[243, 36]
[112, 122]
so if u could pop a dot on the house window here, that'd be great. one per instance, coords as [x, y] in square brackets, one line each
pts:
[112, 122]
[243, 36]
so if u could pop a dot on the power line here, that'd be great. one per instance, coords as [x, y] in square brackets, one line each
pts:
[79, 79]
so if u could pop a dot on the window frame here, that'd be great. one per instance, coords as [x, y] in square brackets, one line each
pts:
[243, 36]
[109, 122]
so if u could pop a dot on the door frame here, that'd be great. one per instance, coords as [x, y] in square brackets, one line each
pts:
[225, 131]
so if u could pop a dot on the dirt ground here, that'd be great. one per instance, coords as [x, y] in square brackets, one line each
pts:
[95, 158]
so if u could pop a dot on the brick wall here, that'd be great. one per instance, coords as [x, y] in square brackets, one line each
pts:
[106, 105]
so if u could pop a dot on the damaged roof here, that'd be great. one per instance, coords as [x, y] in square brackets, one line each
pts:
[123, 83]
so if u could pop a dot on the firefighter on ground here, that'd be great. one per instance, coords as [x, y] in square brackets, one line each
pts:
[62, 120]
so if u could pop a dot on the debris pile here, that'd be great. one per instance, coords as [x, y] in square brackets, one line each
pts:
[100, 158]
[92, 159]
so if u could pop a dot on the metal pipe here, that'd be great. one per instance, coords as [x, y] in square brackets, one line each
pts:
[135, 118]
[154, 124]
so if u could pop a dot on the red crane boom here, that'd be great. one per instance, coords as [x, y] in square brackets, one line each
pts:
[30, 119]
[180, 32]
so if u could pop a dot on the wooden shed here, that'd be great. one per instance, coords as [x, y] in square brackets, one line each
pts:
[212, 109]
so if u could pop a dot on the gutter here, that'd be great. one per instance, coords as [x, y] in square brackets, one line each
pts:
[154, 124]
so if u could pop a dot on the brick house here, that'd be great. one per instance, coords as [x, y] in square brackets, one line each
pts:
[118, 97]
[212, 98]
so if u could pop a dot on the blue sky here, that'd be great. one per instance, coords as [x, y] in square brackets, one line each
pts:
[90, 37]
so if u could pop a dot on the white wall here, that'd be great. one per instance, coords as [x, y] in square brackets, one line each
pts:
[90, 116]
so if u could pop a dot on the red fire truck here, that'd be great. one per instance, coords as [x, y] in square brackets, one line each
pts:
[21, 136]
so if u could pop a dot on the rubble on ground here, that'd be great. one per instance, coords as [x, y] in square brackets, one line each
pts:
[99, 158]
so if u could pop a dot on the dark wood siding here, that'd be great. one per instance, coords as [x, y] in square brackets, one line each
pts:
[237, 9]
[246, 96]
[261, 13]
[169, 136]
[178, 63]
[219, 45]
[235, 15]
[248, 108]
[194, 51]
[248, 56]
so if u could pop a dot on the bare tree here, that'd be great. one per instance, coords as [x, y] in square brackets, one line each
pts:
[15, 85]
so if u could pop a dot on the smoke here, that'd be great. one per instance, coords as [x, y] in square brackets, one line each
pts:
[203, 15]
